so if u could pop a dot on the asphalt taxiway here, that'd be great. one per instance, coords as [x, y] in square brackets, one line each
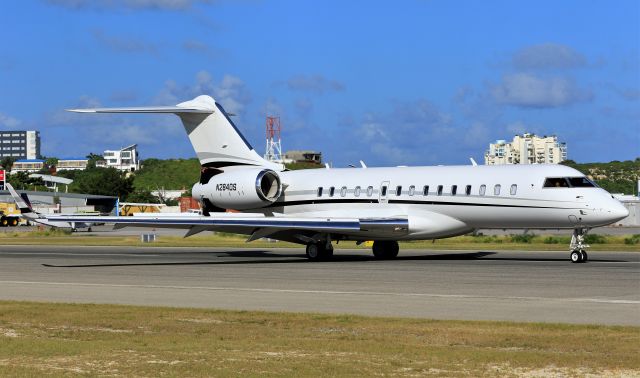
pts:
[474, 285]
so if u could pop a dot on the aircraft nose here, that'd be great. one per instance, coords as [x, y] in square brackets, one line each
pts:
[616, 211]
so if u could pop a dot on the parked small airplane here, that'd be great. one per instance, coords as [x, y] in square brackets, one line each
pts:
[27, 212]
[316, 206]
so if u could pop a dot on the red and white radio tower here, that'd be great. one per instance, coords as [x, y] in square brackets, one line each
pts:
[273, 151]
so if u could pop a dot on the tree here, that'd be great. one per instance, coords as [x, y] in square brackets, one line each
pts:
[50, 161]
[21, 180]
[142, 196]
[103, 181]
[7, 162]
[93, 158]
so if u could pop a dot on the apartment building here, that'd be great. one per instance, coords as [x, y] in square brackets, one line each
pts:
[20, 144]
[526, 149]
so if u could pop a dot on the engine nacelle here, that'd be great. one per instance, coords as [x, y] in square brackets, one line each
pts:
[240, 189]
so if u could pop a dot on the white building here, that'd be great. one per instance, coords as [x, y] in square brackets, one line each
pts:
[72, 164]
[27, 165]
[526, 149]
[125, 159]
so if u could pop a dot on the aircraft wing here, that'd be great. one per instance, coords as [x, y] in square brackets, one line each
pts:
[256, 225]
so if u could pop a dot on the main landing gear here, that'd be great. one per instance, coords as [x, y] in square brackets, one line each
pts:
[323, 250]
[319, 251]
[385, 249]
[578, 247]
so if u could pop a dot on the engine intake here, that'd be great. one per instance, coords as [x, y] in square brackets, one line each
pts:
[240, 189]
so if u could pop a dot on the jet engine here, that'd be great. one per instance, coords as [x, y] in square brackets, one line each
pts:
[239, 189]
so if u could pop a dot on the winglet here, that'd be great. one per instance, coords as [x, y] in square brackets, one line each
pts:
[23, 203]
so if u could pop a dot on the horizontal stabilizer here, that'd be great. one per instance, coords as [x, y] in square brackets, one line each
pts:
[145, 109]
[199, 105]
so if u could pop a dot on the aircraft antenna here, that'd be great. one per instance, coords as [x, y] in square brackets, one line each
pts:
[273, 152]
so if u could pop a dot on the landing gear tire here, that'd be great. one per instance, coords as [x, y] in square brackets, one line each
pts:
[578, 246]
[385, 249]
[319, 251]
[313, 251]
[576, 257]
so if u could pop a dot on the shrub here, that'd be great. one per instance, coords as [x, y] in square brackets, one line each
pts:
[522, 238]
[634, 239]
[595, 239]
[551, 240]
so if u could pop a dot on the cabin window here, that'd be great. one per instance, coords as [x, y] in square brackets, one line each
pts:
[439, 190]
[398, 190]
[343, 191]
[514, 189]
[412, 190]
[496, 190]
[370, 191]
[483, 189]
[356, 191]
[556, 182]
[454, 190]
[467, 190]
[332, 190]
[383, 191]
[320, 191]
[425, 190]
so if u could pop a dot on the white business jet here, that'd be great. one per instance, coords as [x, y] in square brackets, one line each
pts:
[386, 205]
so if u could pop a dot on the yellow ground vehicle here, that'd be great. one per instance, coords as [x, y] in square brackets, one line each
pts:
[9, 215]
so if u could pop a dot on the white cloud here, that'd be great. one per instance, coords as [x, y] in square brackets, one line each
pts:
[230, 92]
[411, 132]
[124, 44]
[179, 5]
[314, 83]
[8, 122]
[518, 128]
[476, 133]
[548, 56]
[528, 90]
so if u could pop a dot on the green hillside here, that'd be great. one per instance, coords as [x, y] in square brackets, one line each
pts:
[614, 177]
[167, 174]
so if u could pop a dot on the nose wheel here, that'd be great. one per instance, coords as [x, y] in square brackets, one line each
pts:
[579, 256]
[578, 247]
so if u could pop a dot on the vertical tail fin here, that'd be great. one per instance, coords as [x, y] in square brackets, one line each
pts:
[22, 202]
[215, 138]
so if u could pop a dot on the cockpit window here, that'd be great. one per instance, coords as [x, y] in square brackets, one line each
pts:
[581, 182]
[556, 182]
[569, 182]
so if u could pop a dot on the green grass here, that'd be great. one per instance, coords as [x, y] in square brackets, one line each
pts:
[39, 339]
[527, 242]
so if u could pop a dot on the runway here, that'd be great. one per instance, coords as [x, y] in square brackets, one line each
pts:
[477, 285]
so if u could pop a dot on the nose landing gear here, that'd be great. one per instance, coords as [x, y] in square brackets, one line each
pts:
[578, 247]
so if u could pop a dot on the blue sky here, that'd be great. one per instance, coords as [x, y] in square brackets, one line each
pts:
[406, 82]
